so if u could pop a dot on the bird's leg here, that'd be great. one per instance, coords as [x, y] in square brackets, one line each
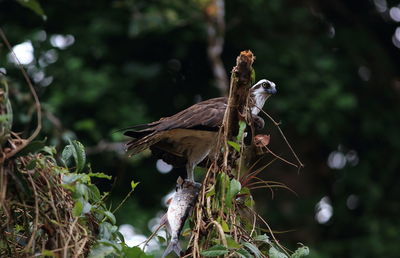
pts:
[190, 172]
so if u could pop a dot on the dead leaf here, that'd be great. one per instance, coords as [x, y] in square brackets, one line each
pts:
[261, 140]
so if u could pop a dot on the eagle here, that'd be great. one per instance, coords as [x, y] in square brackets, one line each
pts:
[189, 136]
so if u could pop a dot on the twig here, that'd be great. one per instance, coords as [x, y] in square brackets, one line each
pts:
[84, 240]
[246, 178]
[146, 242]
[275, 184]
[53, 250]
[269, 184]
[52, 202]
[194, 239]
[279, 157]
[3, 185]
[69, 236]
[37, 102]
[269, 228]
[124, 200]
[254, 225]
[284, 138]
[35, 225]
[220, 231]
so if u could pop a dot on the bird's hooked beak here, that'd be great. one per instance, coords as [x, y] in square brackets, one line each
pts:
[269, 87]
[265, 87]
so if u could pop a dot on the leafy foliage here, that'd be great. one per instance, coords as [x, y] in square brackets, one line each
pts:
[215, 250]
[82, 211]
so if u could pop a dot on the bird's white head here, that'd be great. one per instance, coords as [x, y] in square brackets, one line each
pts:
[260, 92]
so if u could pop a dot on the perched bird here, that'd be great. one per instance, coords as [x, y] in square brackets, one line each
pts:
[190, 136]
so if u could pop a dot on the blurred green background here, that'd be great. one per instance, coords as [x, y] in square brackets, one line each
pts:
[99, 66]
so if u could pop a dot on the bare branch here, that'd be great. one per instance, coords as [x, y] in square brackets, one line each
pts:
[35, 97]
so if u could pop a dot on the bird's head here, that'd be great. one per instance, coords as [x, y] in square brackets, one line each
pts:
[260, 92]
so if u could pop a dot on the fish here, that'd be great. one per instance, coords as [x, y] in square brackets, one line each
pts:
[179, 209]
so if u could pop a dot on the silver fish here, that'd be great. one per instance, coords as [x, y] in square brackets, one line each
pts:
[179, 209]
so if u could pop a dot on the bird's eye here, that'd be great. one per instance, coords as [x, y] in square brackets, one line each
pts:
[265, 85]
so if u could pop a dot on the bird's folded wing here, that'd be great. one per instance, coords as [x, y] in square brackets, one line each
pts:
[206, 115]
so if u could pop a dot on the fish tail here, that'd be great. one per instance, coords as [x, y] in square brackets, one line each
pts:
[173, 246]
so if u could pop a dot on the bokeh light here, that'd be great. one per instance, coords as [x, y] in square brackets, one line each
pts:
[23, 52]
[324, 210]
[163, 167]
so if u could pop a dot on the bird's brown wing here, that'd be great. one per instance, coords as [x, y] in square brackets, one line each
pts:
[205, 115]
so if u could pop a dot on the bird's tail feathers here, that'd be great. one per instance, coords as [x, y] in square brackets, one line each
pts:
[137, 128]
[137, 145]
[140, 127]
[138, 134]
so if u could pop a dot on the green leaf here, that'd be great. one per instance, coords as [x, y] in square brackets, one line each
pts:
[211, 191]
[50, 150]
[79, 154]
[34, 6]
[48, 253]
[253, 76]
[235, 145]
[301, 252]
[66, 155]
[161, 239]
[120, 237]
[71, 178]
[78, 208]
[232, 243]
[117, 246]
[18, 228]
[133, 184]
[249, 202]
[262, 238]
[86, 207]
[257, 253]
[221, 186]
[100, 175]
[223, 224]
[243, 253]
[215, 250]
[94, 193]
[135, 252]
[106, 230]
[5, 117]
[100, 251]
[274, 253]
[242, 127]
[110, 216]
[233, 189]
[81, 190]
[245, 190]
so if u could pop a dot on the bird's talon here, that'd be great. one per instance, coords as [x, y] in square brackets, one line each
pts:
[188, 182]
